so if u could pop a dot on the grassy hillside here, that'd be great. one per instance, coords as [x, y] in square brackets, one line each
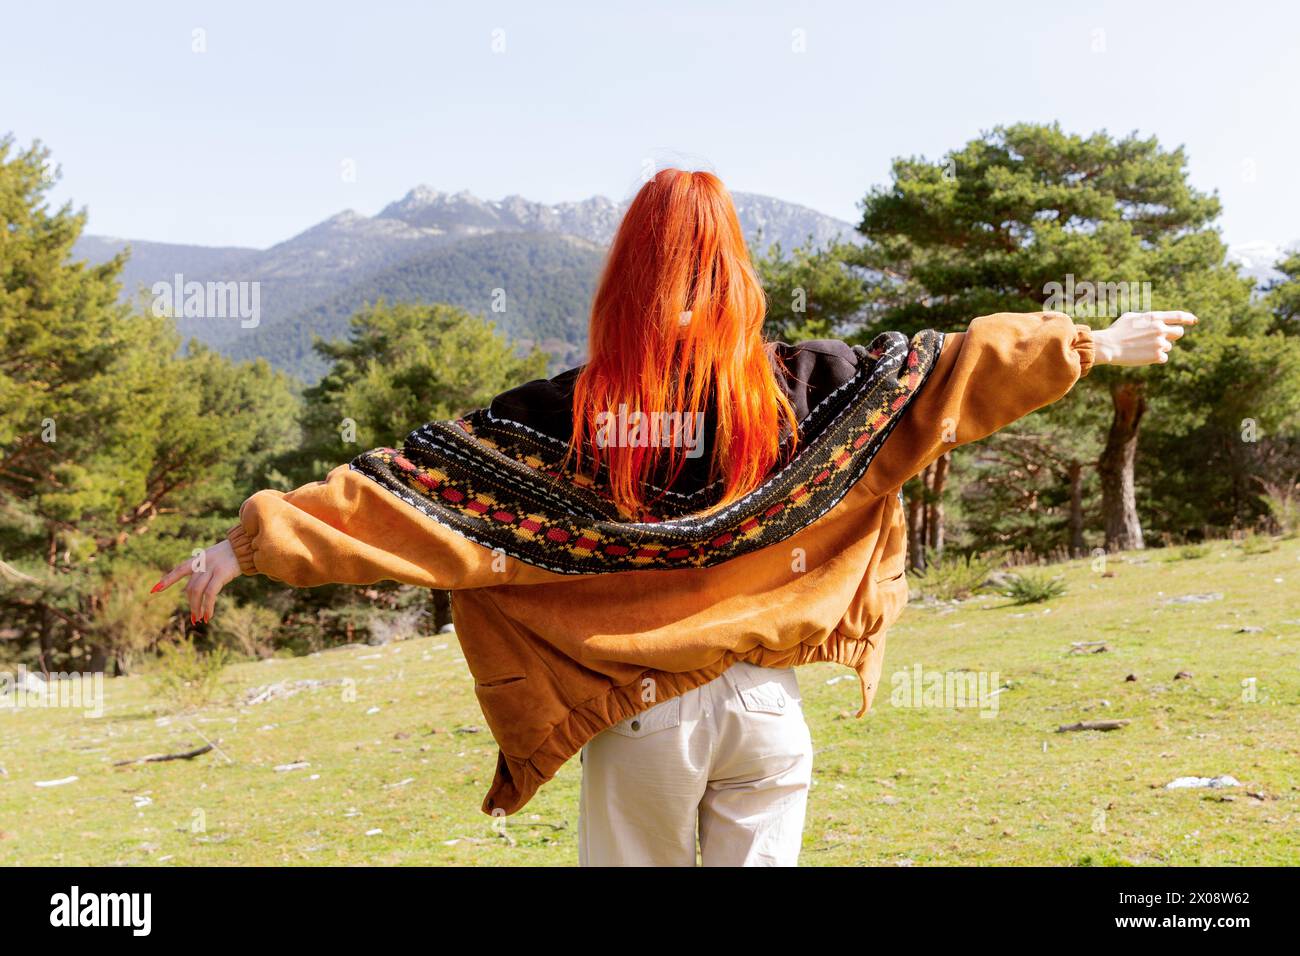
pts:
[399, 746]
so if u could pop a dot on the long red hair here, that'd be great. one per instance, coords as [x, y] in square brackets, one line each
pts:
[677, 320]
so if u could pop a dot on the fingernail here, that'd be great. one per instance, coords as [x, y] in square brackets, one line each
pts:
[156, 588]
[192, 620]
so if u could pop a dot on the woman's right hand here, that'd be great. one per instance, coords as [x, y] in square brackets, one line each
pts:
[208, 574]
[1140, 338]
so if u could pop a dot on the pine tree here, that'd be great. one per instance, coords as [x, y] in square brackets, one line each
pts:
[107, 434]
[1026, 211]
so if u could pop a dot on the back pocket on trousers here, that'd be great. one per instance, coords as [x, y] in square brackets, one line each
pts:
[765, 690]
[663, 716]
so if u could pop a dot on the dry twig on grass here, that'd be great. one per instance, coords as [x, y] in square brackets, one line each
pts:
[1093, 725]
[161, 758]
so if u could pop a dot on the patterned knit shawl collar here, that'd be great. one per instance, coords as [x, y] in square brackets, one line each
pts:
[495, 476]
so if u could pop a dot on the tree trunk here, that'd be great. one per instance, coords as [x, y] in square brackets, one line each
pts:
[915, 538]
[1118, 494]
[938, 481]
[47, 639]
[924, 478]
[440, 608]
[1077, 545]
[47, 618]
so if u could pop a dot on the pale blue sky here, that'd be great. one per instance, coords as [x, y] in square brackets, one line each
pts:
[244, 144]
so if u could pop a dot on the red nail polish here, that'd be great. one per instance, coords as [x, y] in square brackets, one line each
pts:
[156, 588]
[192, 621]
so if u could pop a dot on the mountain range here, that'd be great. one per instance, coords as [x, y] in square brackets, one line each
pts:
[529, 266]
[426, 246]
[1259, 259]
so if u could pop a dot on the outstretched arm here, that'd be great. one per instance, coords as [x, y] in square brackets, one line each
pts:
[1005, 366]
[345, 529]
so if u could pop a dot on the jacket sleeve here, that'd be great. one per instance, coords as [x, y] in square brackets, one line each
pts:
[1000, 369]
[347, 529]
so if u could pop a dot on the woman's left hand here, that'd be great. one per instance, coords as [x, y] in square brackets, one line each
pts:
[1140, 338]
[208, 572]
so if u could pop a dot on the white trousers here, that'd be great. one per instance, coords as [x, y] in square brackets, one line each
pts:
[730, 761]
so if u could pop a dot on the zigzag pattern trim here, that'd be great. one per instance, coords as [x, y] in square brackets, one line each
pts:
[499, 483]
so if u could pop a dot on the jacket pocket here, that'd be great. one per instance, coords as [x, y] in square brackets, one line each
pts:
[500, 681]
[890, 577]
[894, 594]
[893, 544]
[662, 716]
[510, 707]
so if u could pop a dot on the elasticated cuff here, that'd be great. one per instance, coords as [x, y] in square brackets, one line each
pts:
[243, 546]
[1083, 344]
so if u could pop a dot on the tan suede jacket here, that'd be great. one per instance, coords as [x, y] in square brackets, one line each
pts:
[557, 658]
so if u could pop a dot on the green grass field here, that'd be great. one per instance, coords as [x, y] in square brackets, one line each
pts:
[398, 757]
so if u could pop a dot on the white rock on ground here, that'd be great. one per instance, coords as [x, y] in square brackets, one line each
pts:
[1191, 783]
